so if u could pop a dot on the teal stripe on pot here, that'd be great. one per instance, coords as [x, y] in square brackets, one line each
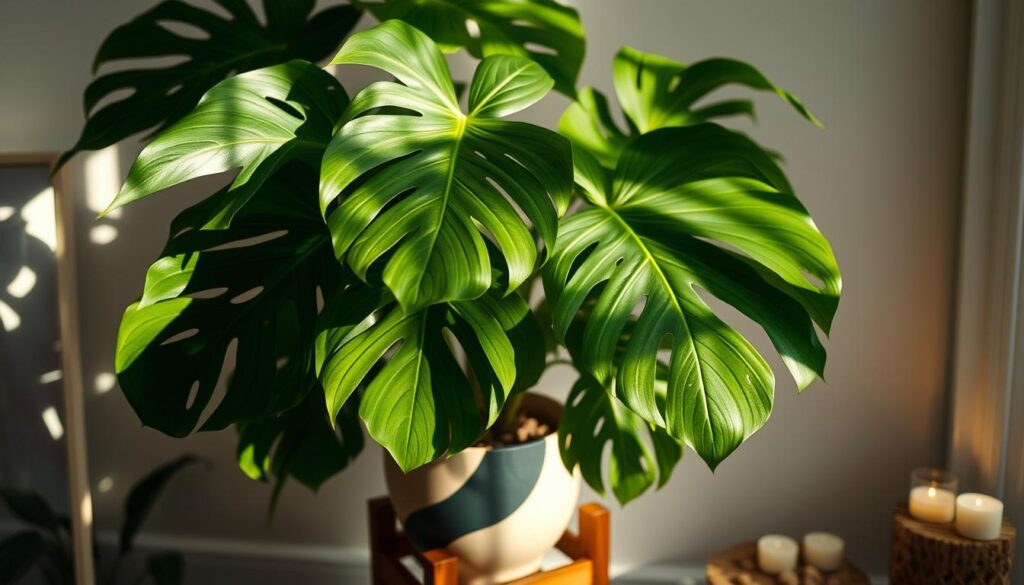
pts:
[498, 487]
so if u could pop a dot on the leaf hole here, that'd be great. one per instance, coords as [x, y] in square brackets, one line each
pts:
[579, 260]
[288, 108]
[518, 162]
[598, 426]
[281, 362]
[814, 280]
[247, 295]
[192, 393]
[224, 380]
[515, 204]
[248, 242]
[184, 30]
[180, 336]
[540, 49]
[577, 399]
[472, 28]
[210, 293]
[673, 83]
[116, 96]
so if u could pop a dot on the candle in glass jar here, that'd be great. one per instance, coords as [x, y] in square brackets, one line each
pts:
[932, 504]
[823, 551]
[979, 516]
[776, 554]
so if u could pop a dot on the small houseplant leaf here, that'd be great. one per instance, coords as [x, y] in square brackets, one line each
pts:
[675, 194]
[592, 419]
[257, 121]
[167, 568]
[588, 122]
[418, 188]
[19, 553]
[418, 403]
[160, 96]
[657, 92]
[301, 443]
[256, 283]
[143, 495]
[30, 507]
[543, 30]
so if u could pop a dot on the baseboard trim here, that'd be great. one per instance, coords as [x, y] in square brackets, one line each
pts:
[240, 548]
[352, 560]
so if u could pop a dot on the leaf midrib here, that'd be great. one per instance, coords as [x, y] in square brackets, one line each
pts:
[416, 378]
[649, 257]
[460, 132]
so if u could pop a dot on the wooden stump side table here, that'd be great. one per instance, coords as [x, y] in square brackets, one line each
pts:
[589, 551]
[924, 553]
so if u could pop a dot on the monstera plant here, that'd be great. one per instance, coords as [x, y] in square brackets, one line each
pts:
[411, 259]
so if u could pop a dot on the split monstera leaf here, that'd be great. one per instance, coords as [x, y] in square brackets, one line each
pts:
[372, 259]
[255, 283]
[214, 46]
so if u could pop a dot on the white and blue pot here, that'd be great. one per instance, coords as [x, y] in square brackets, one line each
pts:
[498, 510]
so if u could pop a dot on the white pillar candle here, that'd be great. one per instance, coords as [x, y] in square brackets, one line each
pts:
[932, 504]
[823, 551]
[979, 516]
[776, 554]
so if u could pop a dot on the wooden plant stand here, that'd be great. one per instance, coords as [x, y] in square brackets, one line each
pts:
[588, 551]
[934, 554]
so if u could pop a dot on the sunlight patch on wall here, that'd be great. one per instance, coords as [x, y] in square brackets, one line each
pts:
[9, 317]
[105, 484]
[103, 234]
[52, 421]
[104, 382]
[50, 377]
[102, 180]
[39, 216]
[23, 283]
[6, 211]
[86, 512]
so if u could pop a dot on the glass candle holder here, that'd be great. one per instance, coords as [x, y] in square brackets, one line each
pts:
[933, 495]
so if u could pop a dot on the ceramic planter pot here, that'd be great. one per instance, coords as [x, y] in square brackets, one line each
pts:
[498, 510]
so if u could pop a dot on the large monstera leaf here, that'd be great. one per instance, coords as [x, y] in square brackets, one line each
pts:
[688, 211]
[253, 286]
[418, 402]
[412, 181]
[658, 92]
[543, 30]
[255, 122]
[214, 47]
[300, 443]
[594, 418]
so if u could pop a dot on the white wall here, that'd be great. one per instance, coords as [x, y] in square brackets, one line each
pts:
[888, 80]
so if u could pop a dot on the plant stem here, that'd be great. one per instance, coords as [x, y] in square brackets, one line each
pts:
[509, 414]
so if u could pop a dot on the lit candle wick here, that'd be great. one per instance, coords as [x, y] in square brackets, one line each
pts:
[931, 492]
[977, 501]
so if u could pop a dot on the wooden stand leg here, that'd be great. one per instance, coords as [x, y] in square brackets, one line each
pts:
[595, 539]
[382, 534]
[440, 568]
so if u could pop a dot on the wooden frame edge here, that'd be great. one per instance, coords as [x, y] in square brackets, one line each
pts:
[79, 492]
